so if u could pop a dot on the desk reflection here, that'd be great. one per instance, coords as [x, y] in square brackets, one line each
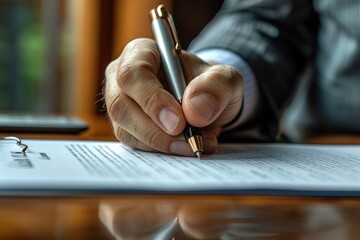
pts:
[229, 220]
[180, 217]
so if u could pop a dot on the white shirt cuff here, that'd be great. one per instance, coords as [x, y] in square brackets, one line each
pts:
[251, 90]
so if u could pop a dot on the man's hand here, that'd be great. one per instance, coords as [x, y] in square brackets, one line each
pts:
[146, 116]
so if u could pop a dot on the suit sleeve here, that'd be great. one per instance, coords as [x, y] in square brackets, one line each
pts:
[276, 38]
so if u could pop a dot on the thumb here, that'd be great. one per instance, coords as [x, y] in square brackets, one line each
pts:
[214, 97]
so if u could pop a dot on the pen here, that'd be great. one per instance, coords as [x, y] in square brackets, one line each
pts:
[168, 44]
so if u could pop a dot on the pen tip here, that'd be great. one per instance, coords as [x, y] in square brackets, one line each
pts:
[198, 154]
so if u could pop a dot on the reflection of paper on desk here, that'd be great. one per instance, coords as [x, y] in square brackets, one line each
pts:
[78, 167]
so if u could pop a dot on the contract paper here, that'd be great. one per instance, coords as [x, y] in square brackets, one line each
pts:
[87, 167]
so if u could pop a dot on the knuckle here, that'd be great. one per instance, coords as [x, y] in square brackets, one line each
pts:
[130, 72]
[237, 82]
[234, 76]
[118, 110]
[125, 74]
[111, 69]
[144, 49]
[228, 73]
[231, 79]
[139, 56]
[138, 42]
[222, 80]
[134, 48]
[142, 44]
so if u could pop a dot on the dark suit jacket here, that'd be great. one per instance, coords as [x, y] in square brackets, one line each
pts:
[280, 39]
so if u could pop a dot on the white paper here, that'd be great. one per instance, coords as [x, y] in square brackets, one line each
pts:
[91, 166]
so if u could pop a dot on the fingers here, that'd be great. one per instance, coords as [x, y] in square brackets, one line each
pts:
[138, 78]
[144, 115]
[214, 97]
[128, 117]
[178, 146]
[134, 128]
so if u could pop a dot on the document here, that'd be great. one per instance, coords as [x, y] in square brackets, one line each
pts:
[92, 167]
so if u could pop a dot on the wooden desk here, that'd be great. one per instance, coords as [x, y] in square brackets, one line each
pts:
[245, 217]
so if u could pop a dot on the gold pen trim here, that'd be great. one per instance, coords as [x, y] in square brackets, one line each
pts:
[196, 145]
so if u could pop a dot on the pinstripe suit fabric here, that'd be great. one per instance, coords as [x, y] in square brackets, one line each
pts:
[279, 38]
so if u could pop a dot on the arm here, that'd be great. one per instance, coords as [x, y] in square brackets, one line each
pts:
[276, 38]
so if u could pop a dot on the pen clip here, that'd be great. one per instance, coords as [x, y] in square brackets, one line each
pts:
[161, 12]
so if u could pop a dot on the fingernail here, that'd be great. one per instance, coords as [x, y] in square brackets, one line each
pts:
[204, 104]
[169, 119]
[181, 148]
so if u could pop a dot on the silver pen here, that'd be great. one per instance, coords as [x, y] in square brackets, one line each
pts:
[169, 47]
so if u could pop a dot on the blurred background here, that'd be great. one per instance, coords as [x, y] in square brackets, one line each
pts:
[53, 53]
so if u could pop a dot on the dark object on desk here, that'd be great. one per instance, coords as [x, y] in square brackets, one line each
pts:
[28, 123]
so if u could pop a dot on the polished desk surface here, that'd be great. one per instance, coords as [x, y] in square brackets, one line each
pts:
[154, 216]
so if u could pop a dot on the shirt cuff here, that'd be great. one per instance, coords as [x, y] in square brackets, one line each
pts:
[251, 90]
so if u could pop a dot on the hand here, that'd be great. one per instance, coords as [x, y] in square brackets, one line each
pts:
[146, 116]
